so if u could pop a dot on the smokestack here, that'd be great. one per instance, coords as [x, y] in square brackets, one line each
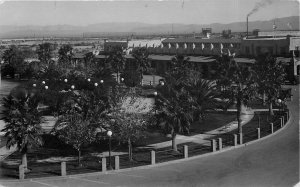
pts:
[247, 26]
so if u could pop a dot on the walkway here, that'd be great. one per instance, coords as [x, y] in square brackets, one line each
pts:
[247, 115]
[273, 161]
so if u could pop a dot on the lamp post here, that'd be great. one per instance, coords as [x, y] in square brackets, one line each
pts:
[109, 134]
[155, 94]
[280, 103]
[2, 62]
[258, 120]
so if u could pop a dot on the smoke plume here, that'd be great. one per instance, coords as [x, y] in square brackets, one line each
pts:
[259, 5]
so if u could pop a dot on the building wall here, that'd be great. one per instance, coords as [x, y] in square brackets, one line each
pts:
[255, 47]
[203, 48]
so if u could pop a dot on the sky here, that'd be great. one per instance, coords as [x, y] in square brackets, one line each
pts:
[83, 13]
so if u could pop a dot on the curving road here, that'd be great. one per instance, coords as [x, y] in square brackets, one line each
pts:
[273, 161]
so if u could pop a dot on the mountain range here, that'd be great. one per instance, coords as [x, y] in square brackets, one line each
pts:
[104, 29]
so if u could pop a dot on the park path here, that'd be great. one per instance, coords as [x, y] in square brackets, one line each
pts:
[246, 116]
[273, 161]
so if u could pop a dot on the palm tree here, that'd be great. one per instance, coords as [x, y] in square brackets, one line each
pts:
[117, 60]
[23, 121]
[270, 77]
[239, 83]
[180, 66]
[65, 55]
[45, 53]
[88, 59]
[173, 105]
[204, 93]
[142, 62]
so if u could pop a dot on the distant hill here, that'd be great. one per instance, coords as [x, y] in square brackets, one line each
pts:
[8, 31]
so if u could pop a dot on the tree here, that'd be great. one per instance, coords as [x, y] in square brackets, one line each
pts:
[65, 55]
[23, 121]
[75, 131]
[128, 124]
[128, 128]
[270, 77]
[182, 69]
[238, 85]
[141, 60]
[14, 61]
[205, 96]
[79, 120]
[88, 59]
[117, 60]
[173, 105]
[44, 52]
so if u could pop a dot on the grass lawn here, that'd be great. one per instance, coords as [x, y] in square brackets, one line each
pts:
[212, 121]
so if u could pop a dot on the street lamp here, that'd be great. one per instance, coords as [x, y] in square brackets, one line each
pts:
[96, 84]
[46, 87]
[162, 83]
[280, 104]
[155, 94]
[101, 81]
[2, 62]
[258, 120]
[109, 134]
[43, 82]
[89, 80]
[66, 80]
[122, 79]
[34, 85]
[73, 87]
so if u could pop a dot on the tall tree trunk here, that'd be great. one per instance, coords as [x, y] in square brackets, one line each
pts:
[129, 149]
[79, 156]
[264, 98]
[117, 76]
[24, 161]
[240, 128]
[174, 145]
[271, 112]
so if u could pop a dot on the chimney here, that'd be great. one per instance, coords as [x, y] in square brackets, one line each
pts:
[247, 26]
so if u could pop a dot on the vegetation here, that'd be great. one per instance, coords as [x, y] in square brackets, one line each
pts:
[173, 105]
[65, 55]
[14, 62]
[117, 60]
[23, 120]
[88, 98]
[44, 52]
[270, 77]
[237, 84]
